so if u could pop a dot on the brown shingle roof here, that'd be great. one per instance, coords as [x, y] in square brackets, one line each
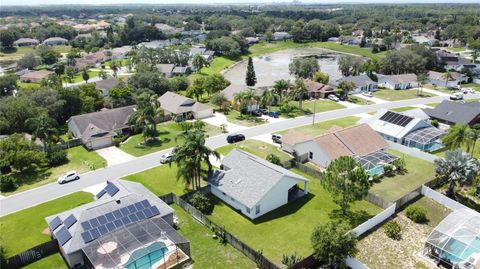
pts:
[293, 137]
[361, 139]
[332, 146]
[314, 86]
[40, 74]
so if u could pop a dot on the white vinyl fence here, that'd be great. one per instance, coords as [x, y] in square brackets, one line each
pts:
[442, 199]
[355, 264]
[371, 223]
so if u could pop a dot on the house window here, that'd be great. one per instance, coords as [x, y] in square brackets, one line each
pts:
[248, 210]
[257, 209]
[310, 155]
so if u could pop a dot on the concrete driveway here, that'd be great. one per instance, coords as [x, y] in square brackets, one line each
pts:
[114, 156]
[218, 119]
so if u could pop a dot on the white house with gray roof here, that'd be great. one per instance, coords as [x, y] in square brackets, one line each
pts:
[125, 223]
[398, 82]
[253, 185]
[362, 83]
[183, 107]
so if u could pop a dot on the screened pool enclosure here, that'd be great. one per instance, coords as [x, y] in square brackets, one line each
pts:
[374, 162]
[426, 139]
[456, 240]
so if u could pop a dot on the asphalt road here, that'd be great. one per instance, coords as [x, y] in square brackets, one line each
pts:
[51, 191]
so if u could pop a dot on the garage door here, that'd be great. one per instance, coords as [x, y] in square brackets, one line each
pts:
[101, 143]
[204, 114]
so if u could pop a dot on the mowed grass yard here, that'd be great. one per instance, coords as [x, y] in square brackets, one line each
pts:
[403, 109]
[79, 159]
[395, 95]
[418, 173]
[168, 132]
[309, 107]
[207, 252]
[14, 56]
[255, 147]
[322, 127]
[78, 77]
[287, 229]
[27, 228]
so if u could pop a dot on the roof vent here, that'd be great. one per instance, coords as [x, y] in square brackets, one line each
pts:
[118, 201]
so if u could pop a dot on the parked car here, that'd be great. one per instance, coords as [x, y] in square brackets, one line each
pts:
[264, 111]
[256, 113]
[277, 138]
[233, 138]
[166, 158]
[273, 114]
[68, 176]
[367, 94]
[333, 97]
[456, 96]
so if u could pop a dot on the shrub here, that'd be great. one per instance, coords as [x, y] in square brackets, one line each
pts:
[119, 139]
[56, 156]
[201, 202]
[274, 159]
[417, 213]
[290, 260]
[393, 230]
[388, 170]
[434, 123]
[223, 127]
[400, 166]
[8, 183]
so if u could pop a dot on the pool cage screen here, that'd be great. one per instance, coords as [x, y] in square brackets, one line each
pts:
[426, 139]
[456, 240]
[373, 163]
[142, 245]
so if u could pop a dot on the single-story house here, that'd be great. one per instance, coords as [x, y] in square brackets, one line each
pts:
[405, 130]
[439, 79]
[253, 185]
[232, 90]
[333, 39]
[183, 107]
[121, 52]
[279, 36]
[35, 76]
[124, 220]
[423, 40]
[26, 42]
[363, 83]
[350, 40]
[90, 60]
[98, 129]
[360, 142]
[196, 50]
[452, 113]
[106, 84]
[181, 70]
[357, 33]
[458, 64]
[166, 69]
[54, 41]
[398, 82]
[317, 89]
[252, 40]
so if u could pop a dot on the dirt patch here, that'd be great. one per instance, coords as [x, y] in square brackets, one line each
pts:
[46, 231]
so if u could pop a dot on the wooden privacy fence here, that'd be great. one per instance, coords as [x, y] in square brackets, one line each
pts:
[306, 169]
[32, 255]
[254, 255]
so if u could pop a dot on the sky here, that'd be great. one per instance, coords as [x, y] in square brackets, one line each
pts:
[104, 2]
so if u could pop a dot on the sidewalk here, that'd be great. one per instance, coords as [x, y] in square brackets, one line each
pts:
[218, 119]
[371, 99]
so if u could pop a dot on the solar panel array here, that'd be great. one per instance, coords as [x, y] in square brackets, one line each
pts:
[55, 223]
[69, 221]
[97, 227]
[111, 189]
[63, 235]
[396, 118]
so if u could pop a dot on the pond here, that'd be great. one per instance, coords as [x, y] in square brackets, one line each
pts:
[274, 66]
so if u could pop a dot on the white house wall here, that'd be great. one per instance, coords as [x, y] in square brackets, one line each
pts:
[319, 156]
[232, 202]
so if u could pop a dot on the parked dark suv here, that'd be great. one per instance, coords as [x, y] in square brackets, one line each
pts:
[235, 138]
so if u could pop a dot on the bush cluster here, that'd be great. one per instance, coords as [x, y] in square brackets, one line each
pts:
[8, 183]
[417, 213]
[393, 230]
[201, 202]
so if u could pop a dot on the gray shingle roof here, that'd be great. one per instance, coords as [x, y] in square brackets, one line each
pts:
[176, 104]
[129, 193]
[107, 84]
[359, 81]
[248, 178]
[455, 112]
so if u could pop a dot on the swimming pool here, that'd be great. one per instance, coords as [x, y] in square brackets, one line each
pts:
[456, 251]
[145, 257]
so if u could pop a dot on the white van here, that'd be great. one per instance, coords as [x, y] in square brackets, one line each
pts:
[456, 96]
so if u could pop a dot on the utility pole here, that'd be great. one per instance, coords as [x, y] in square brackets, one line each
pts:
[313, 118]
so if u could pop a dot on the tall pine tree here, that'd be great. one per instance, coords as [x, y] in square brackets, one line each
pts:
[250, 78]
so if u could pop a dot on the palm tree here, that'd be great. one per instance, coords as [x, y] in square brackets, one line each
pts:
[281, 87]
[473, 137]
[199, 62]
[42, 127]
[346, 87]
[421, 78]
[456, 137]
[148, 111]
[300, 91]
[191, 154]
[447, 76]
[246, 98]
[268, 97]
[114, 68]
[474, 54]
[457, 168]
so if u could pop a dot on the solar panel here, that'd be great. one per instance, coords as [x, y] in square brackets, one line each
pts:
[138, 206]
[131, 209]
[110, 217]
[140, 215]
[133, 217]
[145, 203]
[110, 226]
[102, 219]
[94, 223]
[69, 221]
[155, 211]
[148, 213]
[101, 193]
[55, 223]
[87, 237]
[86, 225]
[124, 211]
[95, 234]
[118, 223]
[117, 214]
[102, 229]
[111, 189]
[396, 118]
[125, 220]
[63, 235]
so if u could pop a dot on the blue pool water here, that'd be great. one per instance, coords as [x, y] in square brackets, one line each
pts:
[458, 251]
[145, 257]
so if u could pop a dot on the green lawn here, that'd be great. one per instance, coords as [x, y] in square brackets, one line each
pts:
[403, 108]
[255, 147]
[393, 188]
[456, 49]
[122, 62]
[320, 105]
[78, 78]
[79, 159]
[235, 117]
[359, 100]
[168, 133]
[207, 252]
[476, 153]
[28, 85]
[432, 104]
[27, 228]
[287, 229]
[395, 95]
[472, 85]
[15, 56]
[322, 127]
